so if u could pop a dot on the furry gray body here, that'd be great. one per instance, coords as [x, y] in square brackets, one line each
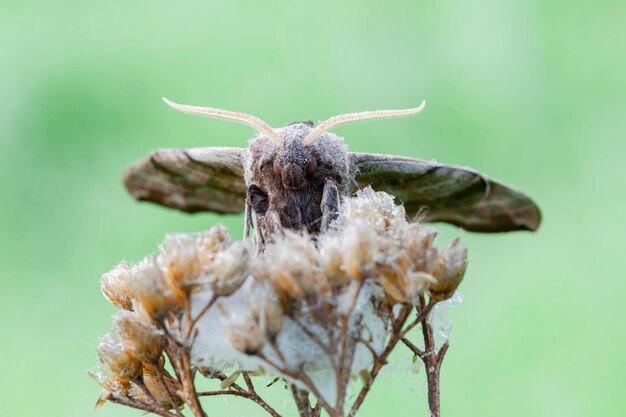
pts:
[292, 198]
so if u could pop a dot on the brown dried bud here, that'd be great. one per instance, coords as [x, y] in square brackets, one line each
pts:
[331, 260]
[117, 357]
[230, 269]
[359, 247]
[151, 289]
[158, 391]
[179, 257]
[246, 337]
[143, 339]
[290, 265]
[215, 240]
[271, 315]
[418, 241]
[449, 271]
[401, 283]
[116, 286]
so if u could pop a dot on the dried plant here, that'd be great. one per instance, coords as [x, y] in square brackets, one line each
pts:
[321, 313]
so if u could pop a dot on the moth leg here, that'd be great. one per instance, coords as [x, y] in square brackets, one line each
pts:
[272, 222]
[257, 205]
[259, 241]
[247, 221]
[330, 203]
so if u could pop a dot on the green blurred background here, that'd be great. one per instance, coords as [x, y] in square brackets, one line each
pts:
[529, 92]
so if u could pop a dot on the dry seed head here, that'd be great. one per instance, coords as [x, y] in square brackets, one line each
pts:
[179, 257]
[152, 291]
[289, 264]
[449, 270]
[331, 259]
[283, 283]
[376, 209]
[271, 314]
[213, 241]
[246, 336]
[143, 339]
[116, 286]
[229, 269]
[360, 245]
[117, 357]
[419, 243]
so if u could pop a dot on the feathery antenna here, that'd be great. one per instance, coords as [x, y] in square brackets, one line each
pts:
[244, 118]
[343, 119]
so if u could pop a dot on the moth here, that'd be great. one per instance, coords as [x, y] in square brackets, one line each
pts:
[296, 176]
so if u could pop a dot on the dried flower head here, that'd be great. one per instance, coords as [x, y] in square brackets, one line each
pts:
[318, 312]
[360, 246]
[142, 338]
[449, 270]
[271, 314]
[290, 263]
[229, 269]
[246, 335]
[116, 286]
[180, 259]
[213, 241]
[151, 289]
[116, 355]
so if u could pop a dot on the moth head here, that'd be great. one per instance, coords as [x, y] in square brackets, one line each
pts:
[295, 163]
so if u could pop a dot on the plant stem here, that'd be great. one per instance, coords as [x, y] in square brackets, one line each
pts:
[432, 361]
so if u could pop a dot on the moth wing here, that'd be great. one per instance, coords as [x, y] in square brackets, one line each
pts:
[191, 180]
[445, 193]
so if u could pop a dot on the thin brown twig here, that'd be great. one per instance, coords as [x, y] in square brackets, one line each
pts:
[304, 407]
[299, 375]
[248, 380]
[245, 394]
[417, 351]
[189, 386]
[442, 351]
[419, 319]
[170, 397]
[141, 406]
[432, 362]
[192, 322]
[142, 385]
[315, 338]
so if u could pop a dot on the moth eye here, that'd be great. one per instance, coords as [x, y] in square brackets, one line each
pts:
[258, 199]
[311, 166]
[277, 170]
